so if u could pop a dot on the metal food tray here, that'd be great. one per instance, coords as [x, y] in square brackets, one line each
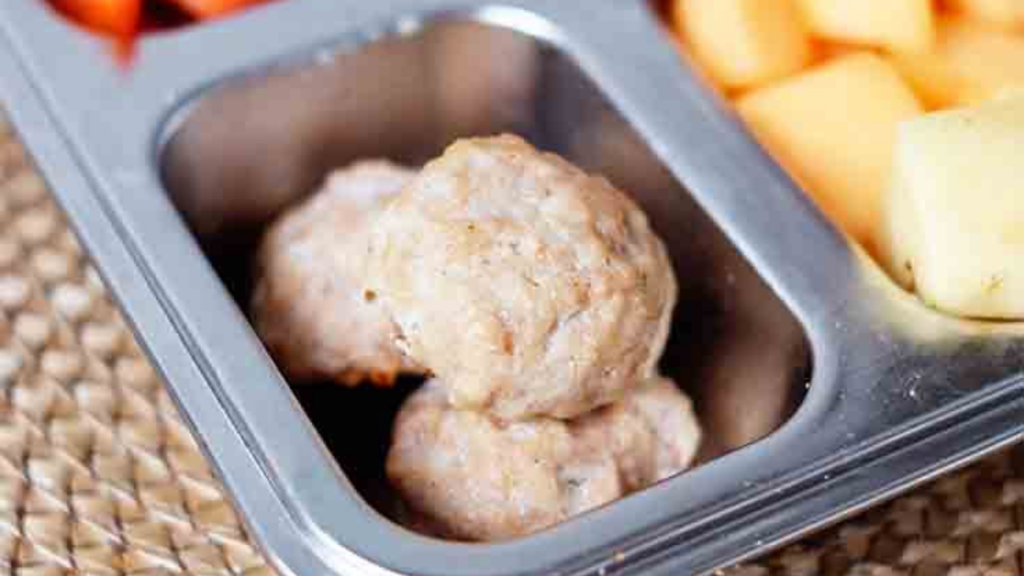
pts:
[823, 387]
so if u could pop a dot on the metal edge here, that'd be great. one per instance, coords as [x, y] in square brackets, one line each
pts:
[119, 268]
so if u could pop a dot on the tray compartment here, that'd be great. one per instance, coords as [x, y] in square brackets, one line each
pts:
[256, 145]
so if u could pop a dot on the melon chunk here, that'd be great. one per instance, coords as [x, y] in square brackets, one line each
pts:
[833, 128]
[890, 24]
[831, 51]
[971, 63]
[743, 43]
[955, 210]
[1005, 13]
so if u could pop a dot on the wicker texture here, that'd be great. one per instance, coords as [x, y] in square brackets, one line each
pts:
[99, 475]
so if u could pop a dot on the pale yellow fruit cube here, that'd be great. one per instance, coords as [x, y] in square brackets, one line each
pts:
[971, 63]
[906, 25]
[743, 43]
[1006, 13]
[1010, 93]
[955, 210]
[833, 128]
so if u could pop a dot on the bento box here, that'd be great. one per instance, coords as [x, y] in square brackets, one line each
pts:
[822, 387]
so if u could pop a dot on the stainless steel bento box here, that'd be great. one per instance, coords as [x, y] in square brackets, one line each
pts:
[823, 387]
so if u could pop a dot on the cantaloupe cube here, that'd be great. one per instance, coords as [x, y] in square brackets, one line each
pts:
[971, 62]
[955, 210]
[743, 43]
[1006, 13]
[833, 128]
[831, 51]
[892, 24]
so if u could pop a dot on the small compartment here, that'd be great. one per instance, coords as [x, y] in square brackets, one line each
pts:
[257, 144]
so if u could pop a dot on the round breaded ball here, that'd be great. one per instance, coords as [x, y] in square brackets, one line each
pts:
[651, 434]
[468, 476]
[309, 305]
[528, 287]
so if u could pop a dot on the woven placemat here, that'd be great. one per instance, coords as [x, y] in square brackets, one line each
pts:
[100, 476]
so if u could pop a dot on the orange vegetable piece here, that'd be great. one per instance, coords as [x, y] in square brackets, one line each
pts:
[117, 18]
[204, 9]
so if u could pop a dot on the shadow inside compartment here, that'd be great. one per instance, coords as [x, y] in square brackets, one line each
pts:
[233, 167]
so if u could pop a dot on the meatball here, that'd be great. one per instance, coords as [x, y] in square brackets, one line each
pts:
[651, 434]
[528, 287]
[467, 475]
[309, 305]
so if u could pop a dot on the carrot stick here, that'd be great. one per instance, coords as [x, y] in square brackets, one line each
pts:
[204, 9]
[117, 18]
